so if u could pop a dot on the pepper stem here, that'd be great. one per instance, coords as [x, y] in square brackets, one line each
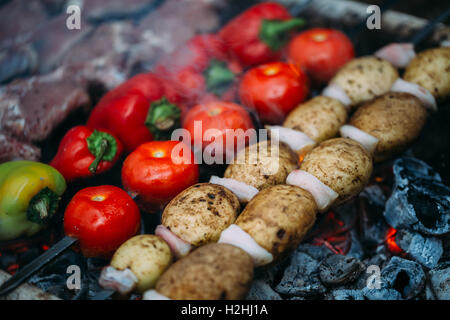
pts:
[101, 153]
[274, 33]
[102, 146]
[218, 77]
[162, 118]
[42, 206]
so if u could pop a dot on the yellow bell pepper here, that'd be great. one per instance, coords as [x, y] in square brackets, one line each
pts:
[29, 196]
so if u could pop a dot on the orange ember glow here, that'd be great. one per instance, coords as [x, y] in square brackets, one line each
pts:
[390, 242]
[300, 158]
[333, 234]
[379, 179]
[12, 268]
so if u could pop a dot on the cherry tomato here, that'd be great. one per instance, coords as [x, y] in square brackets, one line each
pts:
[216, 117]
[101, 218]
[273, 90]
[153, 174]
[321, 52]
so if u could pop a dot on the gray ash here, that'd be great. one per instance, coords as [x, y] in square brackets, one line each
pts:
[387, 244]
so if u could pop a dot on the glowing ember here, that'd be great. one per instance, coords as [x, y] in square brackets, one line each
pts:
[12, 268]
[332, 233]
[390, 242]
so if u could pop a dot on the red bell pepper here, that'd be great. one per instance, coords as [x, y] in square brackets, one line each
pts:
[258, 34]
[201, 69]
[142, 108]
[84, 151]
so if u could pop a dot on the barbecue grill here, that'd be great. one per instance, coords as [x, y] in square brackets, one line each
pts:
[333, 260]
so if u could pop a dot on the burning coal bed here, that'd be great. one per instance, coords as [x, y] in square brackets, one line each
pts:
[390, 243]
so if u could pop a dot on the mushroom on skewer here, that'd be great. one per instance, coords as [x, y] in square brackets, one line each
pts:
[361, 80]
[213, 272]
[197, 216]
[394, 120]
[137, 264]
[257, 167]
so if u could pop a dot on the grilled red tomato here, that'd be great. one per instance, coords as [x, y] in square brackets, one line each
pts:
[212, 120]
[321, 52]
[101, 218]
[273, 90]
[156, 174]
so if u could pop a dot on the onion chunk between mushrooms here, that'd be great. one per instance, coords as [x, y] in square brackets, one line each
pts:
[122, 281]
[179, 247]
[243, 191]
[322, 194]
[368, 141]
[234, 235]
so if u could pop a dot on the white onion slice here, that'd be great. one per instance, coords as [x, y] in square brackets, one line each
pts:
[398, 54]
[336, 92]
[179, 247]
[154, 295]
[368, 141]
[122, 281]
[322, 194]
[445, 43]
[234, 235]
[295, 139]
[243, 191]
[420, 92]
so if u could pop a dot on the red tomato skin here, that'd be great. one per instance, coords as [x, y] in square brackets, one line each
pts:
[101, 226]
[241, 34]
[74, 158]
[273, 90]
[321, 52]
[220, 115]
[156, 180]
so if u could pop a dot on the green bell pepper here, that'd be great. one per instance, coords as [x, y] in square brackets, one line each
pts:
[29, 196]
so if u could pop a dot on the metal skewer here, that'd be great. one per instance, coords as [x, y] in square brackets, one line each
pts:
[425, 31]
[104, 294]
[27, 271]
